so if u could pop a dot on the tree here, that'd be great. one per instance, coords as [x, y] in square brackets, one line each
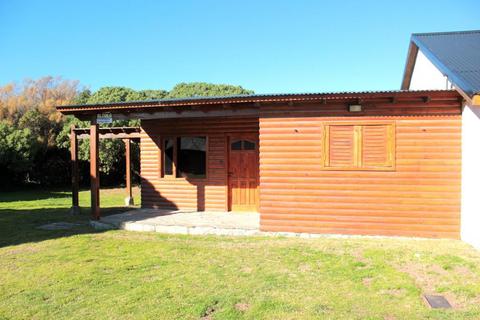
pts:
[42, 128]
[39, 98]
[42, 94]
[17, 152]
[30, 124]
[203, 89]
[152, 94]
[113, 94]
[35, 138]
[83, 97]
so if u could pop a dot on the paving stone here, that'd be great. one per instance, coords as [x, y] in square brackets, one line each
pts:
[186, 222]
[171, 229]
[101, 225]
[59, 226]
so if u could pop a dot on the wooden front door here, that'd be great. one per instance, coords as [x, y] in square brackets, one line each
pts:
[243, 172]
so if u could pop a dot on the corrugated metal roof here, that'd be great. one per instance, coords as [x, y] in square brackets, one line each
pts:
[252, 98]
[456, 54]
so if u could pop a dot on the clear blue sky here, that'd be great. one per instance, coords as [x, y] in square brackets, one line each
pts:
[267, 46]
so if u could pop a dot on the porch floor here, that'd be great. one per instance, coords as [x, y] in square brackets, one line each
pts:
[183, 222]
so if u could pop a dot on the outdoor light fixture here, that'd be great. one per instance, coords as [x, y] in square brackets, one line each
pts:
[355, 108]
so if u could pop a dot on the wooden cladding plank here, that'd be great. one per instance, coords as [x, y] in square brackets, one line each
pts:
[358, 231]
[298, 195]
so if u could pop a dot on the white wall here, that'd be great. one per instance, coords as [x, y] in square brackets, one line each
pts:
[426, 76]
[470, 222]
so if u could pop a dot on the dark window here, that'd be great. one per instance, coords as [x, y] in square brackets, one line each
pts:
[242, 145]
[248, 145]
[168, 157]
[237, 145]
[191, 157]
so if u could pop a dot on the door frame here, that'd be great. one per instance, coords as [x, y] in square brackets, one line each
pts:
[227, 174]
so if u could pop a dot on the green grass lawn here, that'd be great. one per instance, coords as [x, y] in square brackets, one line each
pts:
[84, 274]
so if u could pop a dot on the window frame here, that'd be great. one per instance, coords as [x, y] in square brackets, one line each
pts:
[175, 138]
[358, 146]
[162, 157]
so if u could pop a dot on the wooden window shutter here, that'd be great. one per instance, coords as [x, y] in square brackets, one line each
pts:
[340, 144]
[377, 148]
[359, 146]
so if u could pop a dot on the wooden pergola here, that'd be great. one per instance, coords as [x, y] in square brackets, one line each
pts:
[94, 133]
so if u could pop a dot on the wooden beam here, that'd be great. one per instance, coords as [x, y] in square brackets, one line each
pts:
[110, 133]
[94, 170]
[128, 173]
[101, 136]
[74, 163]
[409, 66]
[192, 114]
[476, 100]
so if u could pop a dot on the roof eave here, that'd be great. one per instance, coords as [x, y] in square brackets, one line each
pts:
[452, 76]
[245, 102]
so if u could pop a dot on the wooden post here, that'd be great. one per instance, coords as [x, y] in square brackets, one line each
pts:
[94, 171]
[128, 173]
[75, 209]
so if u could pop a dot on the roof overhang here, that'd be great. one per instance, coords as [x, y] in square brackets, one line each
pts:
[249, 105]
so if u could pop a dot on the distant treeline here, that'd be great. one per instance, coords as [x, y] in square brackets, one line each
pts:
[34, 137]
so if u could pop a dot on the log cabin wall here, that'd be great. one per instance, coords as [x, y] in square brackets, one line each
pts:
[189, 194]
[419, 197]
[417, 194]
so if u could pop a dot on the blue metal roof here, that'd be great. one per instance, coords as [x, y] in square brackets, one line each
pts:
[455, 54]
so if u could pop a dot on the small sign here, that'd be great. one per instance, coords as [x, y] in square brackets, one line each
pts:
[104, 118]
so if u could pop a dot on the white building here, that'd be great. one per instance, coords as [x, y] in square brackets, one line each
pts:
[448, 60]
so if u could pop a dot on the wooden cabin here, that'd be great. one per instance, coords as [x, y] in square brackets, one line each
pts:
[376, 163]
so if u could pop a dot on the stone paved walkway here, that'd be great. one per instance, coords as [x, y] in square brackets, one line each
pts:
[183, 222]
[60, 226]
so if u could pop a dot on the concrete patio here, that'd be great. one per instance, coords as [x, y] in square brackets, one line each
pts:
[182, 222]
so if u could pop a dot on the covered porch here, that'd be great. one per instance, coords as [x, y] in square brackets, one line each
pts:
[186, 163]
[182, 222]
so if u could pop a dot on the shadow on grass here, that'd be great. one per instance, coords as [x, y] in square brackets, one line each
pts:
[19, 226]
[32, 195]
